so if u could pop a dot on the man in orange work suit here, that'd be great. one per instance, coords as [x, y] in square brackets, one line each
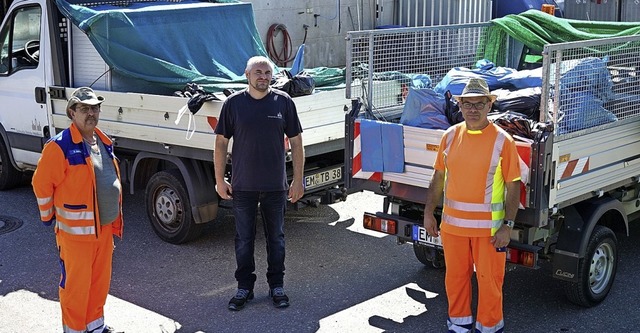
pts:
[477, 170]
[77, 184]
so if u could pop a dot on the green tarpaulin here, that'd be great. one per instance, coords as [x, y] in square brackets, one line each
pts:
[535, 29]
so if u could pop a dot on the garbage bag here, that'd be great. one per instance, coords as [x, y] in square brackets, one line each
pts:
[424, 108]
[294, 85]
[580, 110]
[525, 101]
[591, 75]
[514, 123]
[452, 109]
[584, 90]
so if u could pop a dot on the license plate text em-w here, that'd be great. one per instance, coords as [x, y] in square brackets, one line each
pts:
[420, 235]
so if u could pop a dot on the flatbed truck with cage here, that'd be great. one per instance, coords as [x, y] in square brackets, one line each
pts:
[580, 187]
[44, 57]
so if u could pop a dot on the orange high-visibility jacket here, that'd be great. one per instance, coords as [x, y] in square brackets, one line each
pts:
[477, 164]
[65, 186]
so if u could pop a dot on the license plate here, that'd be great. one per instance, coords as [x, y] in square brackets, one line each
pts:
[421, 236]
[322, 178]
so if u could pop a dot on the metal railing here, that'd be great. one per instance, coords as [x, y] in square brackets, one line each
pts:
[590, 85]
[382, 63]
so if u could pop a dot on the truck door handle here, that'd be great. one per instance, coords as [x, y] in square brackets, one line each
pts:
[41, 95]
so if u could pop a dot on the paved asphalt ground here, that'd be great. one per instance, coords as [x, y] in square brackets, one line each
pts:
[339, 278]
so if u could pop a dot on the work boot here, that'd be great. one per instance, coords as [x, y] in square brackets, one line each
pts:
[280, 299]
[240, 299]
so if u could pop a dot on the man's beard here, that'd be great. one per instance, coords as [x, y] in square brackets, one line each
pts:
[260, 86]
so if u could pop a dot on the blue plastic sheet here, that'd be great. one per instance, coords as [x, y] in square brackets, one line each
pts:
[584, 89]
[527, 78]
[455, 80]
[590, 74]
[298, 61]
[382, 146]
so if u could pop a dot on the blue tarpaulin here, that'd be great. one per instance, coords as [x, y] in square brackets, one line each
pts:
[172, 44]
[382, 146]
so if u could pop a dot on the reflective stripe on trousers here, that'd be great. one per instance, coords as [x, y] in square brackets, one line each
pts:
[86, 271]
[460, 255]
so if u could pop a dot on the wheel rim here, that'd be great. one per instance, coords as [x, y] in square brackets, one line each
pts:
[168, 209]
[601, 268]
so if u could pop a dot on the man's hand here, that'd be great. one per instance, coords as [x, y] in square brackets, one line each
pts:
[431, 225]
[296, 191]
[224, 190]
[502, 237]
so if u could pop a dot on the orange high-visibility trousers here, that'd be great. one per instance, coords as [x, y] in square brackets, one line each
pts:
[85, 279]
[460, 255]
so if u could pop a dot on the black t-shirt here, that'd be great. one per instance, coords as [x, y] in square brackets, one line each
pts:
[258, 127]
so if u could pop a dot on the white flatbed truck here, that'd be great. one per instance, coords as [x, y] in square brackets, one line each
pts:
[44, 58]
[580, 185]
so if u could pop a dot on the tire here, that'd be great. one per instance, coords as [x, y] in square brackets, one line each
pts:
[169, 208]
[597, 270]
[428, 256]
[10, 177]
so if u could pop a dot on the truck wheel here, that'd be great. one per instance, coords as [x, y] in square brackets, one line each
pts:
[429, 256]
[169, 209]
[9, 176]
[596, 270]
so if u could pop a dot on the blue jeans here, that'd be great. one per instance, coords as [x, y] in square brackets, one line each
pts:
[272, 207]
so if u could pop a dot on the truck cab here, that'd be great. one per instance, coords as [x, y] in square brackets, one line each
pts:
[25, 71]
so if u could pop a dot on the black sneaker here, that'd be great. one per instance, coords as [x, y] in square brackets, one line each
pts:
[240, 299]
[280, 299]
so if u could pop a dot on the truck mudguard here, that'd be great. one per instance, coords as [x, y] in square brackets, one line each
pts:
[579, 221]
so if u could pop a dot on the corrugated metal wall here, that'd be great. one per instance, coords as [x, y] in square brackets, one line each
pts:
[611, 10]
[414, 13]
[630, 11]
[592, 10]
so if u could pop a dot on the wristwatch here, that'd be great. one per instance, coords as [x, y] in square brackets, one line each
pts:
[509, 223]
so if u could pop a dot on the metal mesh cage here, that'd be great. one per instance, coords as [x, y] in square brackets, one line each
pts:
[382, 63]
[590, 84]
[586, 84]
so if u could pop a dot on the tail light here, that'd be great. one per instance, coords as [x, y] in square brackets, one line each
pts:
[527, 258]
[372, 222]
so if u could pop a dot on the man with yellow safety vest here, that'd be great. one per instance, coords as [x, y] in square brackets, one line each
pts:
[77, 185]
[477, 171]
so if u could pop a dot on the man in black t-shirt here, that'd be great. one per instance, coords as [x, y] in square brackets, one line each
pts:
[258, 119]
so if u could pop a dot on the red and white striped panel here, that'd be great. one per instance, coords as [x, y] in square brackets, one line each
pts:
[356, 168]
[573, 167]
[524, 154]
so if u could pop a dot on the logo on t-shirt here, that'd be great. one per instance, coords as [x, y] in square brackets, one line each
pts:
[278, 116]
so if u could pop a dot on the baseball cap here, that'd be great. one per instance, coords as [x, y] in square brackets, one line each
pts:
[83, 95]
